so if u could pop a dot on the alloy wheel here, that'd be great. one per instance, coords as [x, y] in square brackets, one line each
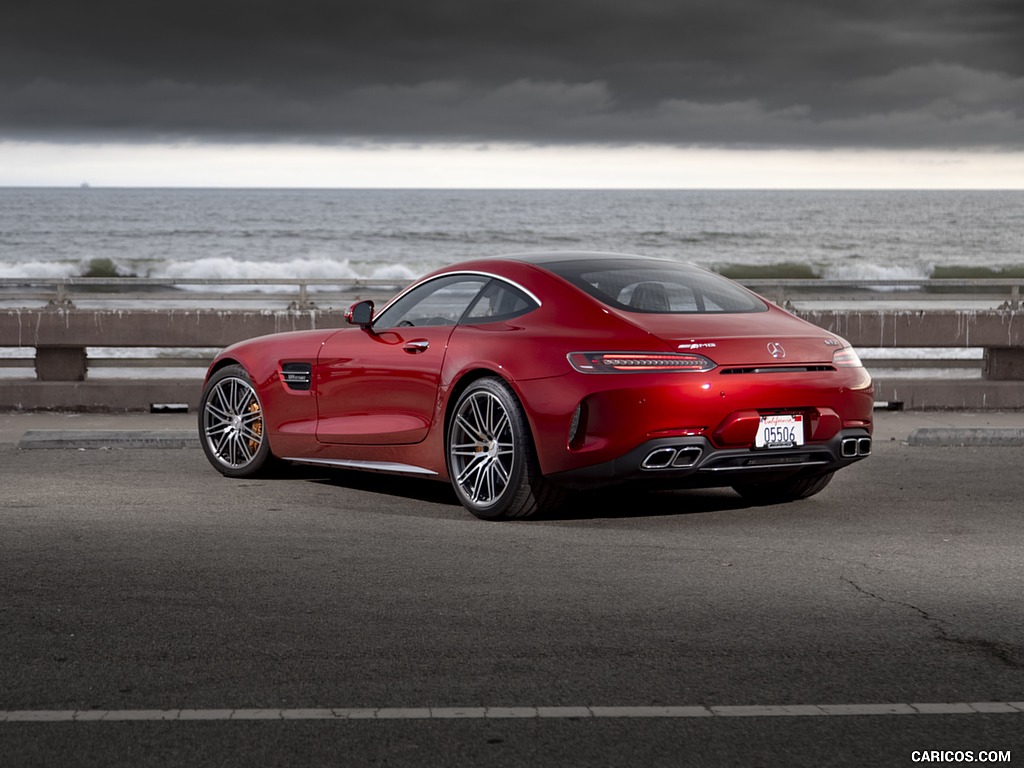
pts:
[482, 448]
[233, 422]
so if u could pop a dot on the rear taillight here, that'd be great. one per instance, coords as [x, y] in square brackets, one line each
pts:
[638, 362]
[846, 358]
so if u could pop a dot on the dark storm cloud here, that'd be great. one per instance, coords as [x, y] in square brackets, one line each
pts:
[871, 73]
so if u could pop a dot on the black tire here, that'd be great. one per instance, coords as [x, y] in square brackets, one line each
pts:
[781, 491]
[232, 429]
[491, 459]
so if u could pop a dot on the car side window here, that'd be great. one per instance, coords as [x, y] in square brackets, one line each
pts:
[437, 302]
[499, 301]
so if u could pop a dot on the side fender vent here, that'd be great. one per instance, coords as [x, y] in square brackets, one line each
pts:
[297, 376]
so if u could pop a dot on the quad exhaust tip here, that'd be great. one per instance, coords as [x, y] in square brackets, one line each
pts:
[855, 447]
[672, 458]
[682, 457]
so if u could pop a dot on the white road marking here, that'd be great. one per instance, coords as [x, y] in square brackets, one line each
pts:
[505, 713]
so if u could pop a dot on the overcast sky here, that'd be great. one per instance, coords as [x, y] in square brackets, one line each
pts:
[925, 83]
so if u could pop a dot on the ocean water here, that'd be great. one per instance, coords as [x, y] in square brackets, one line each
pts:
[399, 234]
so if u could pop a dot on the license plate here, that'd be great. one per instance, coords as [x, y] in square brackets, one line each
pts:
[780, 431]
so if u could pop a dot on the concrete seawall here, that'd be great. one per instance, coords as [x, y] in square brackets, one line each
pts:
[57, 340]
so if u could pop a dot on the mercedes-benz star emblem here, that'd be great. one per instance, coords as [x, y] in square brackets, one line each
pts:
[776, 350]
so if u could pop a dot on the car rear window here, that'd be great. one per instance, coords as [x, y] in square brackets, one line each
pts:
[660, 287]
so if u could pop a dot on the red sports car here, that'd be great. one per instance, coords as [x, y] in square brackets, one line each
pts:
[518, 379]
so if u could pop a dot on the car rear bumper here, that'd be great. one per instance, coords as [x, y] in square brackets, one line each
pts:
[693, 462]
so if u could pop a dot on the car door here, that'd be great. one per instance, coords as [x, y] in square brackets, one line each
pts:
[379, 385]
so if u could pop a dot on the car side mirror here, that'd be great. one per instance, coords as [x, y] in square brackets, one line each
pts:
[360, 313]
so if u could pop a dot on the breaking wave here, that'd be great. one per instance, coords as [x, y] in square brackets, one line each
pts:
[39, 269]
[294, 269]
[870, 271]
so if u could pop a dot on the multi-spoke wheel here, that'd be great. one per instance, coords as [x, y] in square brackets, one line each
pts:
[231, 424]
[491, 459]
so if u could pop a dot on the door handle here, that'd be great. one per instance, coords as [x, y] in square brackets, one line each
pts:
[417, 346]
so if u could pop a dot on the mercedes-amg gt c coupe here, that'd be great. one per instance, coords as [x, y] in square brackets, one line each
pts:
[522, 378]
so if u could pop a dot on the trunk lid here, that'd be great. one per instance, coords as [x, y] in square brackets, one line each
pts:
[757, 339]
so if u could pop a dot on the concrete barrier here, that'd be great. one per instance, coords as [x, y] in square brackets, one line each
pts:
[948, 437]
[999, 332]
[58, 339]
[100, 395]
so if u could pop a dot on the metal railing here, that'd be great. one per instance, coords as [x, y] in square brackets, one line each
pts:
[1004, 292]
[291, 293]
[308, 293]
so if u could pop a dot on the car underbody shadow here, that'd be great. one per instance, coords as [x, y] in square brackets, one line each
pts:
[413, 488]
[627, 502]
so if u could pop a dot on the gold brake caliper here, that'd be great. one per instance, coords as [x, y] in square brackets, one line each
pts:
[257, 426]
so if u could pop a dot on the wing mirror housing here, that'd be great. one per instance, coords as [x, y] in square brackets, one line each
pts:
[360, 313]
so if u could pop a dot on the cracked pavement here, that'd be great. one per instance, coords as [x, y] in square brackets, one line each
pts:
[1009, 654]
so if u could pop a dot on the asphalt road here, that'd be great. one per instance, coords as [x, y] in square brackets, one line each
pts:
[141, 580]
